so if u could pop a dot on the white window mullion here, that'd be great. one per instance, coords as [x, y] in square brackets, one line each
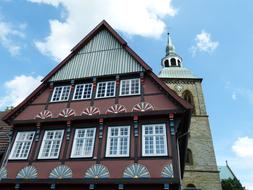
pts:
[61, 93]
[154, 140]
[21, 149]
[50, 150]
[84, 86]
[118, 147]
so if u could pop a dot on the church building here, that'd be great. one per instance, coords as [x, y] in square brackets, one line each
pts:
[201, 170]
[102, 119]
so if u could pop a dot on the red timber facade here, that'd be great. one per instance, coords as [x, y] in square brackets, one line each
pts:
[100, 120]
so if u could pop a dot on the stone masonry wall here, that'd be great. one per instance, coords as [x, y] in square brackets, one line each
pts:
[203, 173]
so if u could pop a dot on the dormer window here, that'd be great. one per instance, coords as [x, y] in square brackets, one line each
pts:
[61, 93]
[105, 89]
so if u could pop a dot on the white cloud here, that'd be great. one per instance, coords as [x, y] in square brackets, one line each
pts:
[203, 43]
[18, 89]
[241, 92]
[246, 93]
[243, 147]
[234, 96]
[133, 17]
[8, 33]
[241, 161]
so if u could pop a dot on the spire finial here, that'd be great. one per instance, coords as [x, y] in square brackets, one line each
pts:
[169, 47]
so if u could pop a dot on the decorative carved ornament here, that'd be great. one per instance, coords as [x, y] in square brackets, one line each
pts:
[28, 172]
[136, 171]
[61, 172]
[44, 114]
[3, 173]
[167, 171]
[116, 108]
[97, 171]
[142, 107]
[92, 110]
[67, 112]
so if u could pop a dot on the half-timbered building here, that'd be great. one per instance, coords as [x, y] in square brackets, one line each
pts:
[101, 119]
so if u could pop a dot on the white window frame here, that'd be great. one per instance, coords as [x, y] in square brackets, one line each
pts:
[85, 138]
[43, 144]
[84, 86]
[60, 98]
[106, 82]
[154, 135]
[109, 137]
[23, 142]
[130, 87]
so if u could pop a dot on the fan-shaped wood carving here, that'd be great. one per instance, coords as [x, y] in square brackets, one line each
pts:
[92, 110]
[97, 171]
[116, 108]
[61, 172]
[142, 107]
[67, 112]
[136, 171]
[3, 173]
[44, 114]
[28, 172]
[168, 171]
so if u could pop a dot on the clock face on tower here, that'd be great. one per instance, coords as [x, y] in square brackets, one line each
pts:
[178, 87]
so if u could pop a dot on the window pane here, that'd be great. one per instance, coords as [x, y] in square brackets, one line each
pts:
[83, 143]
[135, 86]
[65, 93]
[87, 91]
[78, 92]
[106, 89]
[118, 141]
[154, 140]
[101, 89]
[61, 93]
[51, 144]
[130, 87]
[22, 145]
[110, 89]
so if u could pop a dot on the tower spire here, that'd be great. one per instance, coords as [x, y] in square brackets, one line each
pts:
[170, 48]
[171, 59]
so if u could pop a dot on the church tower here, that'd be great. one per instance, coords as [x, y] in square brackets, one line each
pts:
[201, 169]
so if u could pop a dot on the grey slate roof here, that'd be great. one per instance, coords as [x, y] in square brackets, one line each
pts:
[176, 72]
[103, 55]
[225, 172]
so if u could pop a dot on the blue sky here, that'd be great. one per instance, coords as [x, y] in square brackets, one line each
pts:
[214, 38]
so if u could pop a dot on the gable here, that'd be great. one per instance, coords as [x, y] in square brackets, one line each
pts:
[101, 52]
[150, 94]
[102, 55]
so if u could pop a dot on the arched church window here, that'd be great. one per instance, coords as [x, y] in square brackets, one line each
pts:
[190, 186]
[189, 159]
[173, 62]
[166, 63]
[187, 95]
